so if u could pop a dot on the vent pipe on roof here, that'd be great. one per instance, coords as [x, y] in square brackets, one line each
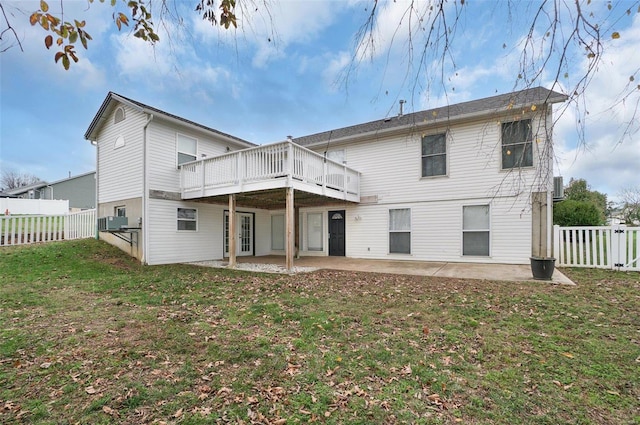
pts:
[402, 102]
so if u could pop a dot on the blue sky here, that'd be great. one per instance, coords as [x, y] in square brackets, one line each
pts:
[243, 84]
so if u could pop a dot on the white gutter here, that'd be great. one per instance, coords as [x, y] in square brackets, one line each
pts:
[436, 121]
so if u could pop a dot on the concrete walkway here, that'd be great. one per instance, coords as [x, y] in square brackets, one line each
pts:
[508, 272]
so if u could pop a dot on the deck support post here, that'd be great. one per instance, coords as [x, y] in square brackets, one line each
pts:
[290, 233]
[232, 231]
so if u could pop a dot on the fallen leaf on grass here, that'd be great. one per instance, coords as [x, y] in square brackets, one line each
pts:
[613, 393]
[45, 365]
[178, 413]
[90, 390]
[568, 355]
[406, 370]
[109, 411]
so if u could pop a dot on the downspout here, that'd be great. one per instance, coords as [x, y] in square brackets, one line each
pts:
[145, 194]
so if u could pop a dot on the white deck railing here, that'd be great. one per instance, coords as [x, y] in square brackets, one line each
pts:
[284, 160]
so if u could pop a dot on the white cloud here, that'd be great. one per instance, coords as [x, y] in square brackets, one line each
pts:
[610, 158]
[271, 31]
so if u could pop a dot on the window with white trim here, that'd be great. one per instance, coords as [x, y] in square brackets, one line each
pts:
[188, 219]
[187, 148]
[476, 230]
[120, 211]
[517, 144]
[314, 232]
[277, 232]
[400, 231]
[434, 155]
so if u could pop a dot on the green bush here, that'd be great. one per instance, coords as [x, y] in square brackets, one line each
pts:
[576, 213]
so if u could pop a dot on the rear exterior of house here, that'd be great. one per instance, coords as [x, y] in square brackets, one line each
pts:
[466, 183]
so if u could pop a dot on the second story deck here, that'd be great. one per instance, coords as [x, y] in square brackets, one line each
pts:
[267, 167]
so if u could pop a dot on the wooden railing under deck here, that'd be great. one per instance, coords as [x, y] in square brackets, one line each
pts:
[282, 164]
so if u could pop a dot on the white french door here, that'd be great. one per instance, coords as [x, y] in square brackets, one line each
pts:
[244, 234]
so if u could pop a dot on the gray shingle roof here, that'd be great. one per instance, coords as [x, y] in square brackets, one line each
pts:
[150, 109]
[489, 105]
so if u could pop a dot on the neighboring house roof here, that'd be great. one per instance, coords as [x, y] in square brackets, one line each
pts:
[71, 178]
[41, 184]
[23, 189]
[466, 110]
[7, 195]
[112, 98]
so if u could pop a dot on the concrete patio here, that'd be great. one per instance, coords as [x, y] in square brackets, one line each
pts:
[507, 272]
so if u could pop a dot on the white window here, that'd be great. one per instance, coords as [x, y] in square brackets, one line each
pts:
[434, 155]
[314, 232]
[119, 115]
[277, 232]
[187, 219]
[120, 211]
[187, 148]
[475, 230]
[337, 156]
[400, 231]
[517, 146]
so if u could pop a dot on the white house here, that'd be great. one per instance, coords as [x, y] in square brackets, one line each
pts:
[470, 182]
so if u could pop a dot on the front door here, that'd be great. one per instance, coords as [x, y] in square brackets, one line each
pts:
[244, 237]
[336, 233]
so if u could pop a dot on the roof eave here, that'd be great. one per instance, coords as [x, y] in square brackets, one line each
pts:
[436, 121]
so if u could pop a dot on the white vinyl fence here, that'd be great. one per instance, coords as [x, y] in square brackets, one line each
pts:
[26, 229]
[609, 247]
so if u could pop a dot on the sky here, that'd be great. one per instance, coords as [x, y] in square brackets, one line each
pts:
[296, 69]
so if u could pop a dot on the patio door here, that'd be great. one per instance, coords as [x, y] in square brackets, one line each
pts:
[244, 236]
[336, 233]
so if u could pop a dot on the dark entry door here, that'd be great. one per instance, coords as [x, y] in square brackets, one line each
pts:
[336, 233]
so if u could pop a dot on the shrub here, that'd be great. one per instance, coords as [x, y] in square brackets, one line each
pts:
[576, 213]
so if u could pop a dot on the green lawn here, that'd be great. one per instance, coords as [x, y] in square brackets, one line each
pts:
[89, 336]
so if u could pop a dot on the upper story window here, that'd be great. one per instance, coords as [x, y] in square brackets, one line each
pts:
[434, 155]
[119, 115]
[187, 148]
[337, 156]
[517, 146]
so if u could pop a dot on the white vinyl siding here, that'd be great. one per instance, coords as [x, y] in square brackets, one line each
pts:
[120, 170]
[162, 151]
[168, 245]
[391, 180]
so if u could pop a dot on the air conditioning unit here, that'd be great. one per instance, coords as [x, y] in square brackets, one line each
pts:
[106, 224]
[558, 189]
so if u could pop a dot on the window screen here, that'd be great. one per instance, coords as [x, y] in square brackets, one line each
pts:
[187, 219]
[187, 149]
[517, 149]
[475, 230]
[400, 231]
[434, 155]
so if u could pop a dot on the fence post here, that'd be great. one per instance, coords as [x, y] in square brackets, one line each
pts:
[556, 244]
[614, 257]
